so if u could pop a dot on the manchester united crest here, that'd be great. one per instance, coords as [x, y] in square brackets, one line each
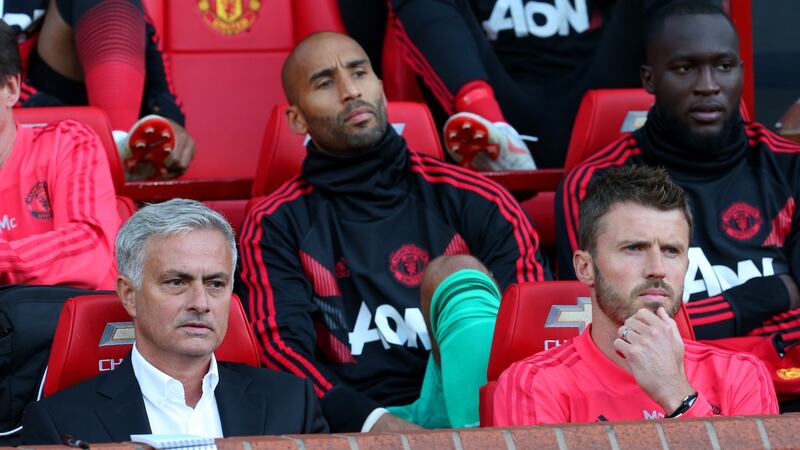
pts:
[408, 263]
[741, 221]
[229, 16]
[38, 202]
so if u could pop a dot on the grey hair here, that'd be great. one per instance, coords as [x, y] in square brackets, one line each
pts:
[176, 216]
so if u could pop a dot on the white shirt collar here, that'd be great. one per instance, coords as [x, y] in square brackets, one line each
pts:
[159, 387]
[165, 402]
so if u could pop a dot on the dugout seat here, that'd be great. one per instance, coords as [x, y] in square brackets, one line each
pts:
[94, 333]
[399, 79]
[603, 115]
[283, 152]
[225, 67]
[537, 316]
[97, 120]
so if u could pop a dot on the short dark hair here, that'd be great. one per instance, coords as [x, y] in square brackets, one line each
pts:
[654, 22]
[640, 185]
[10, 61]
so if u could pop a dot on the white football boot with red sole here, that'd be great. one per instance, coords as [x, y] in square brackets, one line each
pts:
[146, 151]
[476, 143]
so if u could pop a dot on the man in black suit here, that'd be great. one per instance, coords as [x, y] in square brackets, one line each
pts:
[176, 262]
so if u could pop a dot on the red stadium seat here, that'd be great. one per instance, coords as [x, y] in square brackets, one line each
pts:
[541, 209]
[536, 316]
[225, 66]
[94, 333]
[603, 115]
[97, 120]
[600, 119]
[283, 152]
[399, 79]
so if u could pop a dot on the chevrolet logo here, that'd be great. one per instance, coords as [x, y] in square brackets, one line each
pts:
[117, 333]
[633, 121]
[566, 316]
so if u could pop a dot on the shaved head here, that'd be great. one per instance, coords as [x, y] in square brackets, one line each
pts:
[334, 95]
[306, 51]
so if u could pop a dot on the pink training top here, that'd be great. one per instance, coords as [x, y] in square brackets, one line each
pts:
[576, 382]
[58, 216]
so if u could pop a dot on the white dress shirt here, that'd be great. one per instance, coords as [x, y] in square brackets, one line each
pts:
[165, 401]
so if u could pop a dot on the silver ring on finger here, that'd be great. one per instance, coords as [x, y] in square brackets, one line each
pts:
[625, 333]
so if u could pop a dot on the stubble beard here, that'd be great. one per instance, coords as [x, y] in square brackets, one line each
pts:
[331, 133]
[618, 308]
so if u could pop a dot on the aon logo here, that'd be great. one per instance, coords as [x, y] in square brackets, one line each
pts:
[711, 280]
[542, 19]
[390, 328]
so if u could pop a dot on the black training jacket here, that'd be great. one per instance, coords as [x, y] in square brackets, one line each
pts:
[332, 263]
[746, 230]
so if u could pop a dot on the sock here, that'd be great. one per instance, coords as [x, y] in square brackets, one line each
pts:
[477, 97]
[110, 38]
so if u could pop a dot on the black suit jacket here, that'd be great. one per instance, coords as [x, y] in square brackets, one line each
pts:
[110, 407]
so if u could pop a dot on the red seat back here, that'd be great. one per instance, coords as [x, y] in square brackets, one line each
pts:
[283, 152]
[602, 116]
[94, 333]
[399, 79]
[536, 316]
[225, 67]
[541, 209]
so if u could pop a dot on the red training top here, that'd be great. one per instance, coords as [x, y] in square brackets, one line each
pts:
[58, 216]
[576, 382]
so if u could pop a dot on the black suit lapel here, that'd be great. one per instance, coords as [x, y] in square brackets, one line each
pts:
[121, 406]
[239, 414]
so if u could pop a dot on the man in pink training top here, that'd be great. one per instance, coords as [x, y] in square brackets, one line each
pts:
[58, 215]
[631, 363]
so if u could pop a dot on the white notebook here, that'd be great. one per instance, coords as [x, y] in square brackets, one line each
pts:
[183, 441]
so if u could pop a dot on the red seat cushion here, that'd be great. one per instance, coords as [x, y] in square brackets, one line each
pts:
[94, 333]
[283, 152]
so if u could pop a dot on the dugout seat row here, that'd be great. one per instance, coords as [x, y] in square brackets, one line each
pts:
[602, 117]
[225, 66]
[94, 333]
